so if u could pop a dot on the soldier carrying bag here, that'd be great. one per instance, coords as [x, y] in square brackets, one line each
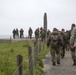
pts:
[54, 40]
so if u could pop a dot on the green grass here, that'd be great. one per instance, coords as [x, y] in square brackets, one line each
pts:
[8, 58]
[41, 55]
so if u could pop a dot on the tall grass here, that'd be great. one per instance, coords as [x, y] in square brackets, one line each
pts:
[8, 58]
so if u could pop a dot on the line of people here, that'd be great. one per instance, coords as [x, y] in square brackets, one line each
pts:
[59, 41]
[20, 33]
[39, 33]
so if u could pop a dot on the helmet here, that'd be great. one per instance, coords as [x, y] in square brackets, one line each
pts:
[73, 25]
[63, 30]
[55, 29]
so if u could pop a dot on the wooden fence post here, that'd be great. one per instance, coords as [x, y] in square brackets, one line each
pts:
[19, 64]
[30, 61]
[40, 45]
[36, 51]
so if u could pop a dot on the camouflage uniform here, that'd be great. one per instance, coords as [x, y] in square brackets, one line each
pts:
[54, 41]
[63, 34]
[21, 33]
[37, 34]
[30, 31]
[17, 33]
[14, 33]
[48, 33]
[73, 45]
[68, 38]
[42, 34]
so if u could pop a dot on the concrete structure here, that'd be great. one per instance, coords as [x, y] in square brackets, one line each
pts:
[45, 23]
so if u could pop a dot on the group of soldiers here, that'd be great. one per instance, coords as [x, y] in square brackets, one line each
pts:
[59, 41]
[39, 33]
[16, 33]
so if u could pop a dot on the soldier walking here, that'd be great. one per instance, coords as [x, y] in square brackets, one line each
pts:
[55, 41]
[64, 37]
[48, 33]
[30, 32]
[36, 33]
[21, 33]
[14, 33]
[17, 33]
[73, 43]
[42, 34]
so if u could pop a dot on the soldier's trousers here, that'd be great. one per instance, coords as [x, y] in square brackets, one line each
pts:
[73, 53]
[63, 51]
[55, 54]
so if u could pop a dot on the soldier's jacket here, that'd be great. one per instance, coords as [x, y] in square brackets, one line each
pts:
[14, 31]
[64, 37]
[55, 40]
[68, 33]
[73, 37]
[48, 33]
[21, 31]
[36, 33]
[30, 31]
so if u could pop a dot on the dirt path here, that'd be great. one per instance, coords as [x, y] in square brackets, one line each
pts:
[65, 68]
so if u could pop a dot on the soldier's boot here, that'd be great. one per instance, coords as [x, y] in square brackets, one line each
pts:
[74, 62]
[62, 56]
[58, 61]
[54, 64]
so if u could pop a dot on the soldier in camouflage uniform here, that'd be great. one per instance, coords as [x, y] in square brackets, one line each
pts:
[48, 33]
[30, 32]
[42, 34]
[55, 41]
[64, 37]
[68, 38]
[36, 33]
[21, 33]
[14, 33]
[17, 33]
[73, 43]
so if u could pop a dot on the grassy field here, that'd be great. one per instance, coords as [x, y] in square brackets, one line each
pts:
[8, 58]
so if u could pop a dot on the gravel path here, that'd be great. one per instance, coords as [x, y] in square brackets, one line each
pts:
[65, 68]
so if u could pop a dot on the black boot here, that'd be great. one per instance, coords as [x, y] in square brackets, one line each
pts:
[54, 64]
[62, 56]
[58, 61]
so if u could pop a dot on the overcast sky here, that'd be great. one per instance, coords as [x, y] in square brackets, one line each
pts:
[29, 13]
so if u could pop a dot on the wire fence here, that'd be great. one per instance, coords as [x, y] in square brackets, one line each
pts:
[32, 57]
